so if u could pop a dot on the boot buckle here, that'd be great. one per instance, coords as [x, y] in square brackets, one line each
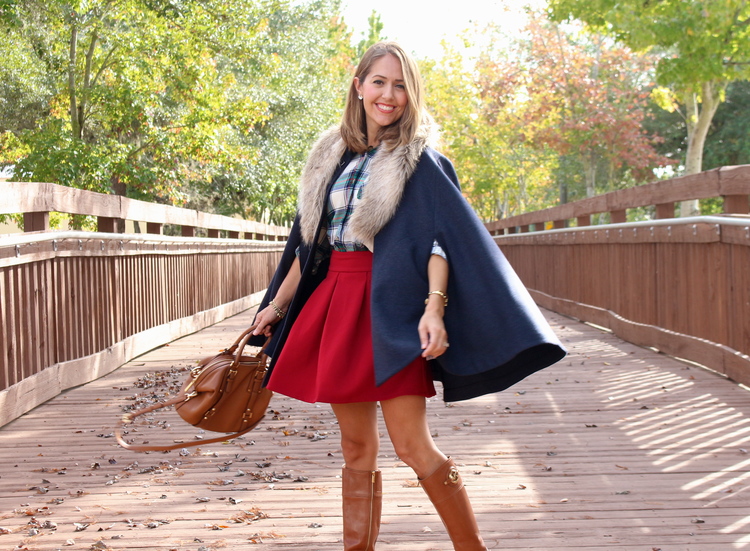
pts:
[453, 476]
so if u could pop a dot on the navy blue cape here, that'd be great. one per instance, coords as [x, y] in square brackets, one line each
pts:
[497, 334]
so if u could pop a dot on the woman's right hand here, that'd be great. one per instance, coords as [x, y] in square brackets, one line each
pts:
[268, 317]
[265, 320]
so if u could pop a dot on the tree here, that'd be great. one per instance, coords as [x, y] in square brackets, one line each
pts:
[374, 34]
[189, 107]
[500, 175]
[728, 140]
[586, 98]
[702, 44]
[303, 95]
[130, 107]
[524, 118]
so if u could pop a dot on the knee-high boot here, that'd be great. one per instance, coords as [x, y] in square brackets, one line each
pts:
[446, 491]
[362, 499]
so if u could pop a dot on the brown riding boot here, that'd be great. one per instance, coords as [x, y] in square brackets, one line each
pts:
[446, 490]
[362, 499]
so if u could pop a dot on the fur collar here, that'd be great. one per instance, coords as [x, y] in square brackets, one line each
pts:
[389, 172]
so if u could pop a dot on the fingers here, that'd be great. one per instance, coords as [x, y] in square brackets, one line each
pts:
[435, 349]
[433, 337]
[264, 320]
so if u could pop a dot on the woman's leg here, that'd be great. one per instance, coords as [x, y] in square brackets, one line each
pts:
[406, 419]
[361, 492]
[360, 441]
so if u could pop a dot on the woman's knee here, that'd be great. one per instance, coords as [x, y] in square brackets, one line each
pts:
[360, 440]
[358, 448]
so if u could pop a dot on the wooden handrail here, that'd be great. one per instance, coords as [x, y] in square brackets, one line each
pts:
[732, 183]
[36, 200]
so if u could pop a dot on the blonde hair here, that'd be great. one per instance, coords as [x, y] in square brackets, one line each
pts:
[402, 132]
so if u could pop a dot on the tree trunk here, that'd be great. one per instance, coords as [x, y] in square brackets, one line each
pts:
[588, 161]
[121, 189]
[72, 80]
[563, 187]
[699, 114]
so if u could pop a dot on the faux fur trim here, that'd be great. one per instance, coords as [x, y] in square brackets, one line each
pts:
[389, 172]
[321, 164]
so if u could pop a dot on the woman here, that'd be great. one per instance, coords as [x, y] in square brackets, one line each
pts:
[359, 306]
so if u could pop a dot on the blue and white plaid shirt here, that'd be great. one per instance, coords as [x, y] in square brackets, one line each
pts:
[346, 192]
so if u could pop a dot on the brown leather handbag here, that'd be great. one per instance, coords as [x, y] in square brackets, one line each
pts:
[223, 393]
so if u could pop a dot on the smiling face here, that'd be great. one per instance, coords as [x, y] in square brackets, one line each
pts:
[384, 97]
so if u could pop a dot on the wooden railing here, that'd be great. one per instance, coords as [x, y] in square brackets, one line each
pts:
[681, 285]
[732, 184]
[76, 305]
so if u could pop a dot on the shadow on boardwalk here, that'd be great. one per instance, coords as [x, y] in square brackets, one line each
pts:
[615, 448]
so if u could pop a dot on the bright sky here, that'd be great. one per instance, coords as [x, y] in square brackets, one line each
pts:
[419, 27]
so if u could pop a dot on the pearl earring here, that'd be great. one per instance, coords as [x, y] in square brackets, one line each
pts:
[360, 97]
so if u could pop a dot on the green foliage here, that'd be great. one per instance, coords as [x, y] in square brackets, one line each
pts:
[702, 40]
[374, 34]
[302, 96]
[728, 141]
[543, 118]
[24, 86]
[701, 44]
[210, 102]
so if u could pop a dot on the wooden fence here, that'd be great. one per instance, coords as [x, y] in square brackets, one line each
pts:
[681, 285]
[77, 305]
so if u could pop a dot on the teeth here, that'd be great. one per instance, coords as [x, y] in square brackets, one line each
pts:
[388, 108]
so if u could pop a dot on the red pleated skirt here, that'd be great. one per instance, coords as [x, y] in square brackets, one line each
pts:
[328, 354]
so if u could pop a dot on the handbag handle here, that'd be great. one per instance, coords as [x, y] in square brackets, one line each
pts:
[242, 341]
[128, 417]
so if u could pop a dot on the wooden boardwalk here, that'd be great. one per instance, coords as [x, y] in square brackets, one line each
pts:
[615, 448]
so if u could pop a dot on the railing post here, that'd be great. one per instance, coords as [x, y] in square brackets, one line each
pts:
[736, 204]
[584, 220]
[213, 233]
[36, 221]
[664, 210]
[559, 224]
[105, 224]
[618, 216]
[233, 234]
[153, 227]
[188, 231]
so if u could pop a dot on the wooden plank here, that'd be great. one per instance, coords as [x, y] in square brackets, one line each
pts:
[106, 224]
[154, 228]
[48, 322]
[736, 204]
[665, 210]
[6, 334]
[35, 221]
[13, 320]
[36, 328]
[616, 448]
[36, 200]
[734, 180]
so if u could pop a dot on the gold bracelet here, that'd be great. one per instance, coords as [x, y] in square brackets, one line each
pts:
[279, 312]
[441, 293]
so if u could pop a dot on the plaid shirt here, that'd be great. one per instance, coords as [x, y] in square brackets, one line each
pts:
[346, 192]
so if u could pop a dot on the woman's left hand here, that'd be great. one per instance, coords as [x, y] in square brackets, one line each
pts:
[432, 334]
